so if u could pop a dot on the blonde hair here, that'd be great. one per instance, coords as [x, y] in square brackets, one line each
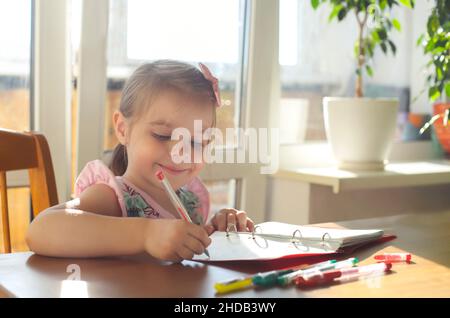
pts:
[151, 79]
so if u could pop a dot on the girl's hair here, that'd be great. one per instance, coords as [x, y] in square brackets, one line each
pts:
[151, 79]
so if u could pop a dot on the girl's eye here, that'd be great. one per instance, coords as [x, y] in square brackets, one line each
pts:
[166, 138]
[161, 137]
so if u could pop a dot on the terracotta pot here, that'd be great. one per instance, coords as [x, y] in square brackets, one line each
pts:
[442, 132]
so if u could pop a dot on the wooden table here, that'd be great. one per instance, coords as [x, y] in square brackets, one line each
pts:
[426, 236]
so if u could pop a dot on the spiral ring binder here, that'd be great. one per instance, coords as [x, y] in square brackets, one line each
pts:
[297, 238]
[283, 241]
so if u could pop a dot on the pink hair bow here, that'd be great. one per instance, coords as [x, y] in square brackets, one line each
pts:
[214, 81]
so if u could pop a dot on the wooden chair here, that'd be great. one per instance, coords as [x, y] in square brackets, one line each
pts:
[20, 151]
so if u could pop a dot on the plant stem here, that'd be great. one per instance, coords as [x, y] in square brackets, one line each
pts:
[361, 54]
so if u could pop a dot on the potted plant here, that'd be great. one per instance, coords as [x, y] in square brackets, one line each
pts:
[436, 46]
[361, 130]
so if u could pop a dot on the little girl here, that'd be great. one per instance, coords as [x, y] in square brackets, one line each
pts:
[124, 209]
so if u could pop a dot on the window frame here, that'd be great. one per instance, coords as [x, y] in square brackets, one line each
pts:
[50, 89]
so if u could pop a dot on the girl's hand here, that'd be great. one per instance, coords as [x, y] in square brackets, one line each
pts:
[227, 217]
[175, 240]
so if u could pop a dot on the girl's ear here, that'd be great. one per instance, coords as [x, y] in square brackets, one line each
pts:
[120, 127]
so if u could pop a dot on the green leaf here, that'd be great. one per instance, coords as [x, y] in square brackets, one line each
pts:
[334, 12]
[432, 24]
[447, 89]
[433, 93]
[369, 47]
[315, 4]
[439, 74]
[429, 46]
[342, 13]
[356, 48]
[406, 3]
[438, 50]
[369, 70]
[396, 24]
[382, 34]
[383, 47]
[375, 36]
[393, 47]
[420, 39]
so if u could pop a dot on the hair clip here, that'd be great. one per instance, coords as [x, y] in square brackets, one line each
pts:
[214, 81]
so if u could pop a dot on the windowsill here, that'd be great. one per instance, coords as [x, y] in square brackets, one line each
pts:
[318, 154]
[396, 174]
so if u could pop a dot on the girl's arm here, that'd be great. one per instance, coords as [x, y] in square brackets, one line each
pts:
[68, 230]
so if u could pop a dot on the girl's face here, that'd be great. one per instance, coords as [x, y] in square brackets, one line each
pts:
[149, 144]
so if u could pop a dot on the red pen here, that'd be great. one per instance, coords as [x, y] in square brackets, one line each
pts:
[320, 278]
[394, 257]
[342, 274]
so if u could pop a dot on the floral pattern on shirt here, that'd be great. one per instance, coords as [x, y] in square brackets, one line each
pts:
[192, 205]
[137, 206]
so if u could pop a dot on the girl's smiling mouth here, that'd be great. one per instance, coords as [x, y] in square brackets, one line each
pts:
[172, 170]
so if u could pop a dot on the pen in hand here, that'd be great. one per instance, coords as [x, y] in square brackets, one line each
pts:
[175, 200]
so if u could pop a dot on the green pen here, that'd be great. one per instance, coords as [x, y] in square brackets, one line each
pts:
[268, 279]
[265, 279]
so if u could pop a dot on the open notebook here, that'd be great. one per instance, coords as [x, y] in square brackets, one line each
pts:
[273, 240]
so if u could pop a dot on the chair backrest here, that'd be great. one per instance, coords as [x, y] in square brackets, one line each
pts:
[30, 151]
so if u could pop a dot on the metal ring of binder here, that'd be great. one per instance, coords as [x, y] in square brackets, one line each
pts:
[294, 239]
[254, 231]
[326, 234]
[231, 228]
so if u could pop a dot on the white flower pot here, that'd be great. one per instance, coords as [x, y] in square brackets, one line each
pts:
[360, 130]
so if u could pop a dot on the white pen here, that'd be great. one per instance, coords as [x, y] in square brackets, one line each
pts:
[289, 278]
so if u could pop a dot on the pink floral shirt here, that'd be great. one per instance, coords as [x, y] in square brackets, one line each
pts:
[135, 202]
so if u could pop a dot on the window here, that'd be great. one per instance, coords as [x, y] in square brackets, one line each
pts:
[15, 64]
[191, 31]
[15, 47]
[74, 15]
[222, 194]
[316, 60]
